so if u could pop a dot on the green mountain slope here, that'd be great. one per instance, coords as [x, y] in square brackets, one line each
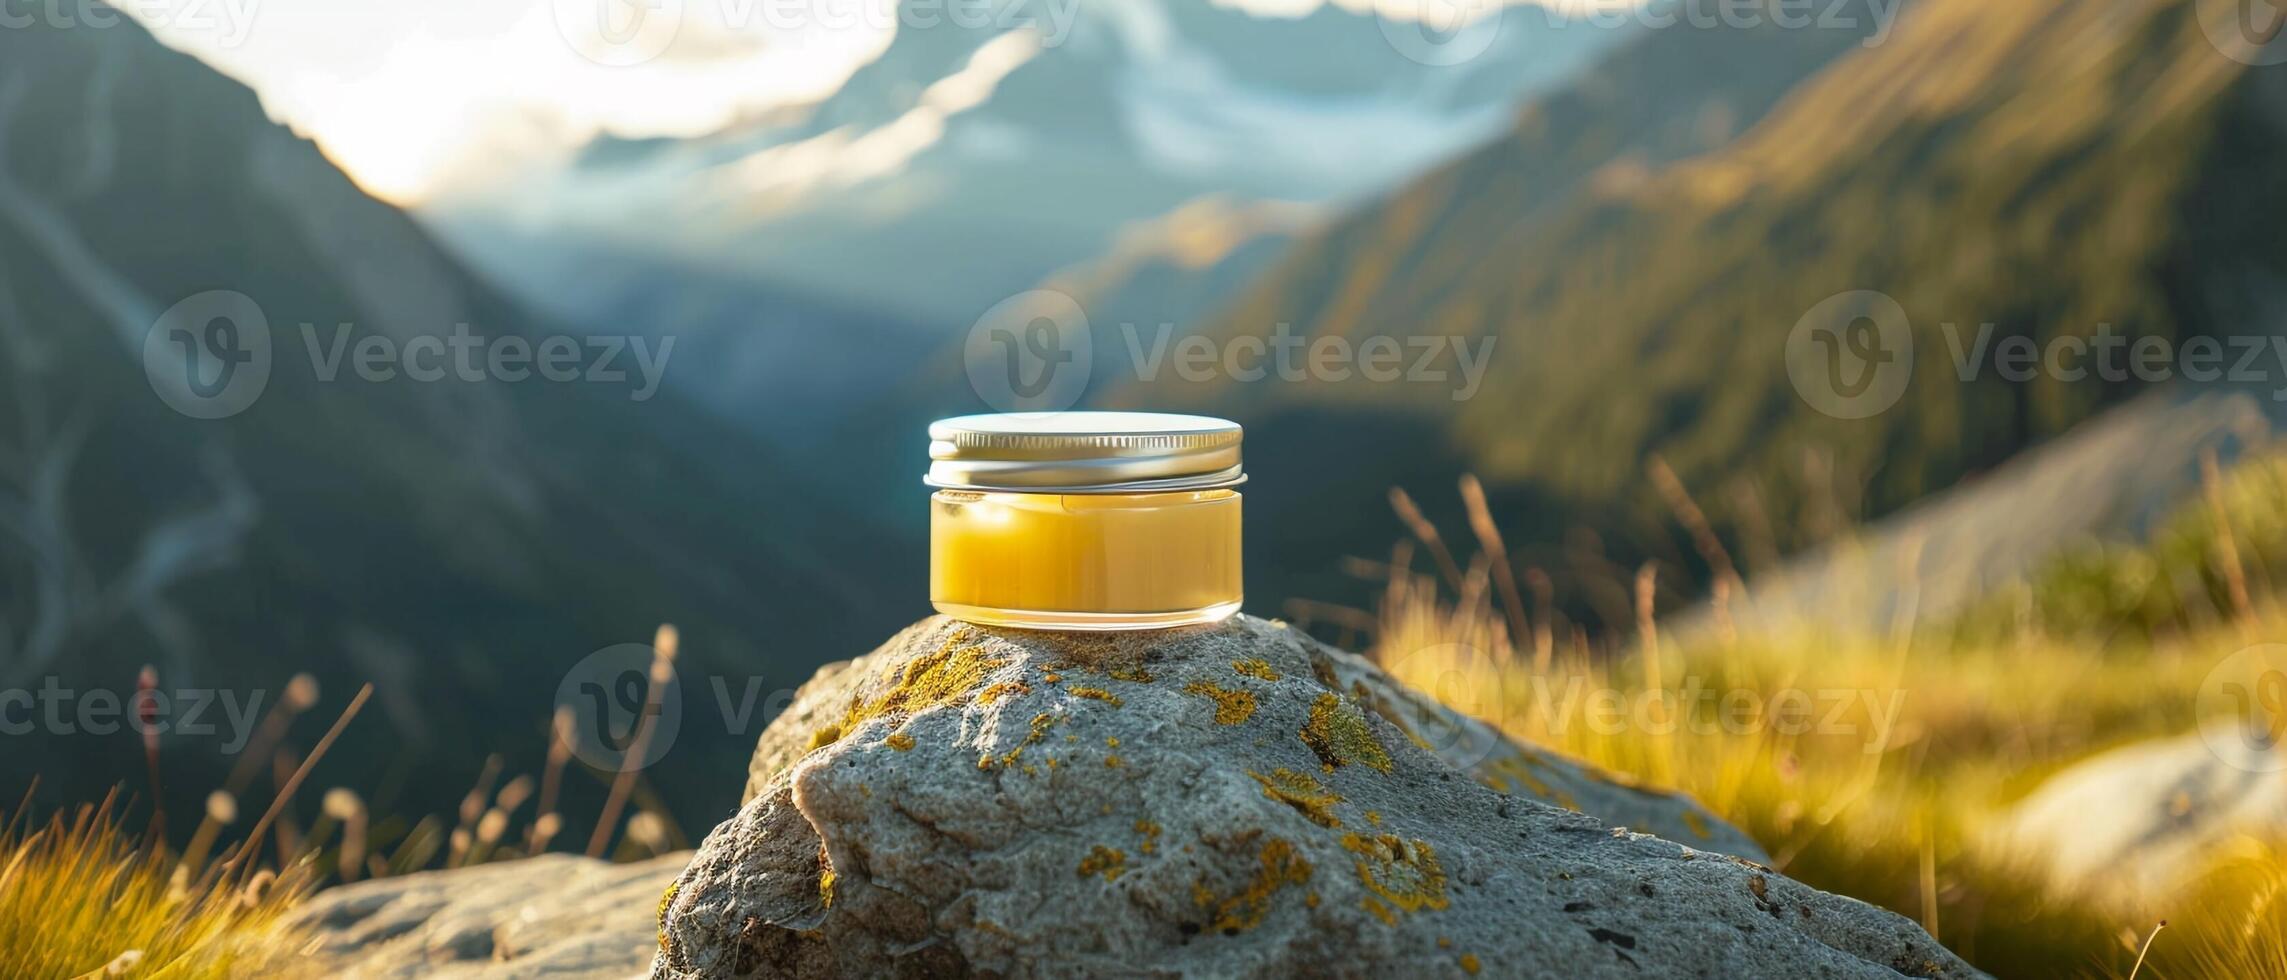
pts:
[2043, 166]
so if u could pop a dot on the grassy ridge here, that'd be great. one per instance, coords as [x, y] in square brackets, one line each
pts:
[1921, 740]
[2045, 167]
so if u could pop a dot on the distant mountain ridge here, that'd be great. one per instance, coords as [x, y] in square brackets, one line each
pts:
[963, 166]
[2047, 167]
[460, 544]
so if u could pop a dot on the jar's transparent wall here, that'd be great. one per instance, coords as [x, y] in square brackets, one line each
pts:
[1085, 561]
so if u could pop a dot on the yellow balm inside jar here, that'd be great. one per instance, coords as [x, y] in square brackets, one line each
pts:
[1085, 520]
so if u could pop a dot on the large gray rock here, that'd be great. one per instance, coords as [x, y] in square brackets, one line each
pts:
[2135, 823]
[1218, 801]
[1460, 741]
[555, 915]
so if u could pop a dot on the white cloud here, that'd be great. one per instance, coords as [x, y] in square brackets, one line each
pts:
[412, 95]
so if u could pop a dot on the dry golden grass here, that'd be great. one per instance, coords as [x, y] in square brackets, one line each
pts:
[2237, 925]
[1893, 812]
[84, 898]
[88, 897]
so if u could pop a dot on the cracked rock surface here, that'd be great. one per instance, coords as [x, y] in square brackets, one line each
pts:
[1227, 800]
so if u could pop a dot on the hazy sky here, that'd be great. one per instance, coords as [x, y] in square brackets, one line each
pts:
[410, 95]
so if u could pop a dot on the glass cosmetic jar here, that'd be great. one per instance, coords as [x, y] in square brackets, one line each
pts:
[1084, 520]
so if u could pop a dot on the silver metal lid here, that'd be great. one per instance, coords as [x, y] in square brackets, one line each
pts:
[1084, 452]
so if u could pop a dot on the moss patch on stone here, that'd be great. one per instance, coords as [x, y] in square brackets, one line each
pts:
[939, 677]
[1337, 732]
[1376, 702]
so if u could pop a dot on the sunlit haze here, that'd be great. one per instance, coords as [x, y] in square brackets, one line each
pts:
[414, 97]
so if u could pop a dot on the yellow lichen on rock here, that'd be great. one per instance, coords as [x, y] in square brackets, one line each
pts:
[1003, 689]
[1041, 723]
[825, 735]
[1231, 707]
[1096, 694]
[1338, 733]
[899, 741]
[1255, 667]
[1404, 873]
[1377, 703]
[1150, 832]
[667, 901]
[1303, 792]
[941, 676]
[1280, 866]
[1106, 861]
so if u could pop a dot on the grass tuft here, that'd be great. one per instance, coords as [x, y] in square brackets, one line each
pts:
[86, 898]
